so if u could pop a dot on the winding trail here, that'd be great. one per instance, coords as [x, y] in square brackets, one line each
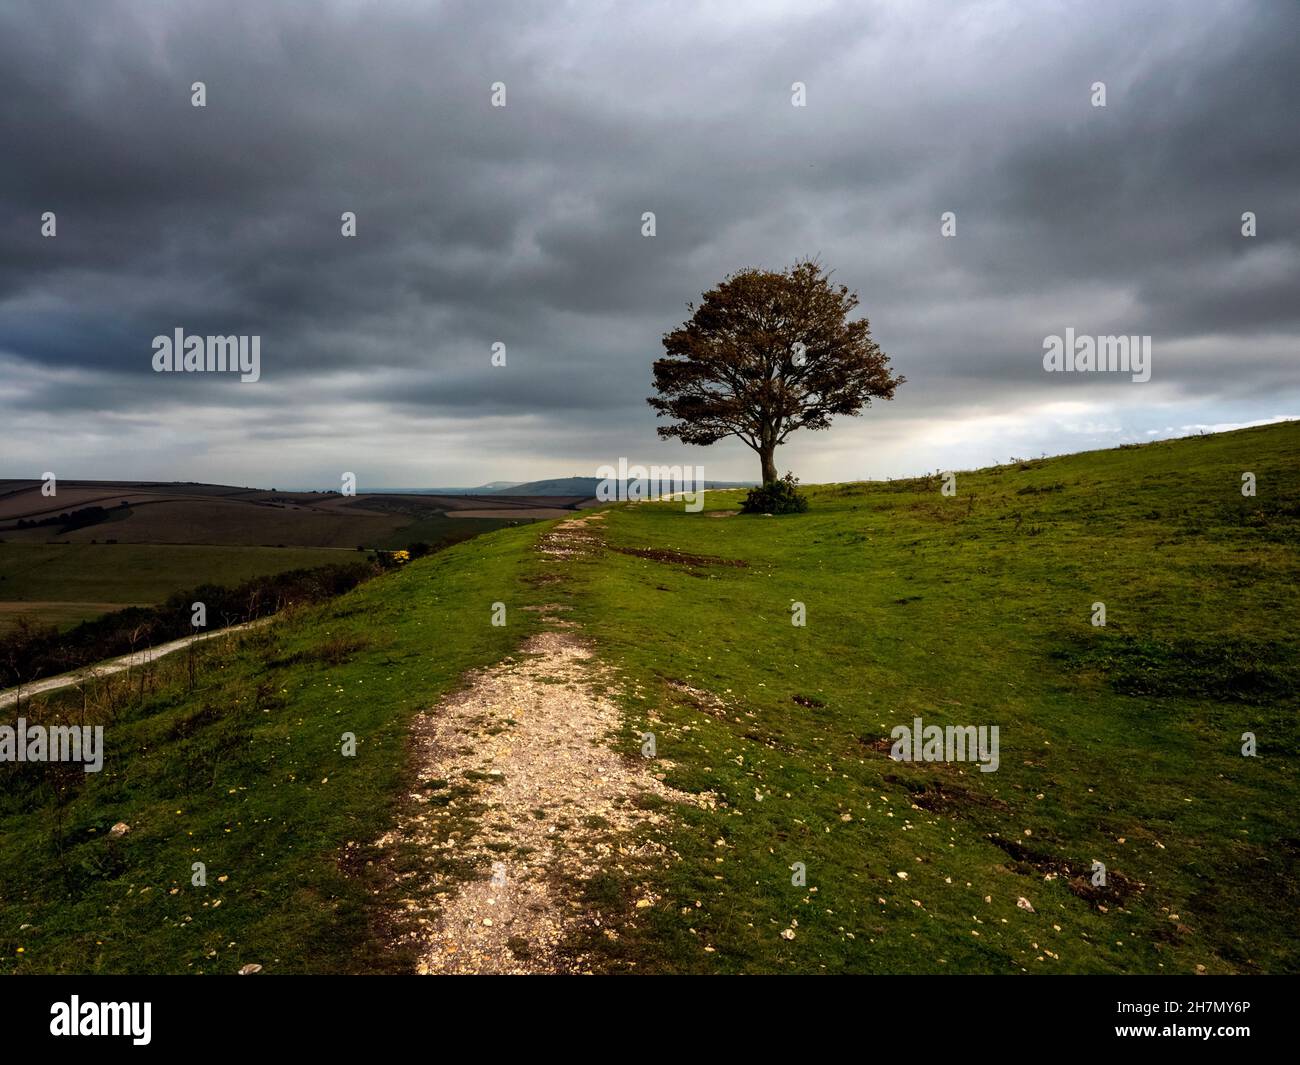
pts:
[523, 751]
[115, 665]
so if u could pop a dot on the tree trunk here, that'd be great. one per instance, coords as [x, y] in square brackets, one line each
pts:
[769, 463]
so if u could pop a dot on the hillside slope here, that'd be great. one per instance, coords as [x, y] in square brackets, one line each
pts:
[1119, 745]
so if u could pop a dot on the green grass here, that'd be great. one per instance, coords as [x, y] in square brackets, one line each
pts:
[62, 584]
[432, 530]
[1119, 744]
[246, 775]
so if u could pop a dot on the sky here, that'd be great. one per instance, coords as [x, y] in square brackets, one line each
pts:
[523, 225]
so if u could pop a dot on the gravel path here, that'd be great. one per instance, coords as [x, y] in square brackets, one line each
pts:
[525, 745]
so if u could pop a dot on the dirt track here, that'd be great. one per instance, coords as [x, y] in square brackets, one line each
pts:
[524, 750]
[114, 665]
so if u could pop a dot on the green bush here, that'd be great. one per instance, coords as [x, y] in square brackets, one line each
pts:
[776, 497]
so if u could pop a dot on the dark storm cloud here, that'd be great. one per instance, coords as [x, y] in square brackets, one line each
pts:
[522, 224]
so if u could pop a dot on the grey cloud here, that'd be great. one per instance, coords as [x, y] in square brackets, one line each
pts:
[523, 224]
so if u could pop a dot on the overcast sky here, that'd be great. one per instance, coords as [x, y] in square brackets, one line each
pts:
[522, 224]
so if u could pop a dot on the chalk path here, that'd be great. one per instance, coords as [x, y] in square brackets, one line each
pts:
[114, 665]
[524, 751]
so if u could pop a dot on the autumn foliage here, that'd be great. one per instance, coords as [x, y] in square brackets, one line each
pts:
[764, 354]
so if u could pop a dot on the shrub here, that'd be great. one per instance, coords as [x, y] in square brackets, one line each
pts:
[776, 497]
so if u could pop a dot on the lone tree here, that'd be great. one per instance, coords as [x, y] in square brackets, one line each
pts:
[765, 354]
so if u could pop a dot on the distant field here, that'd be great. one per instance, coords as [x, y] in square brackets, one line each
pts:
[96, 546]
[438, 527]
[549, 512]
[62, 584]
[210, 520]
[62, 615]
[139, 513]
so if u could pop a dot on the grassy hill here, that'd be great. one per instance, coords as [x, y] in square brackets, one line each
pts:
[1119, 744]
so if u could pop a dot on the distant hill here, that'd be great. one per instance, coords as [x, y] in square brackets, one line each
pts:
[582, 486]
[556, 486]
[482, 489]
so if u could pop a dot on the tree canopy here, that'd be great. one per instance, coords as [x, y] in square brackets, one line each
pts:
[766, 353]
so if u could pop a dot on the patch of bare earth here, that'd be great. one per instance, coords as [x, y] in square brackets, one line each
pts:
[575, 538]
[537, 801]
